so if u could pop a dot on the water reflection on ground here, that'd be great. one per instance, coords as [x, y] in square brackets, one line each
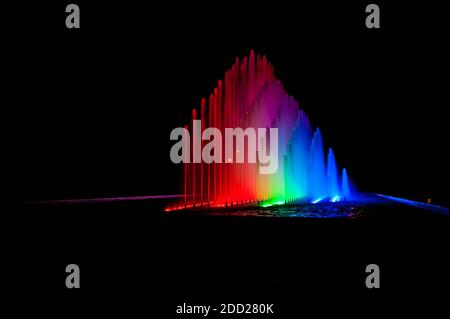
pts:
[322, 210]
[365, 205]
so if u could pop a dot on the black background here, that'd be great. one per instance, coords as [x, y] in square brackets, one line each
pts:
[87, 113]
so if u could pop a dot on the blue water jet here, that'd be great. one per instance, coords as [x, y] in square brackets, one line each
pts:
[346, 194]
[301, 147]
[317, 173]
[332, 177]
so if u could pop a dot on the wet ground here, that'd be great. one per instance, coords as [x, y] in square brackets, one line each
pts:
[135, 257]
[364, 205]
[321, 210]
[315, 261]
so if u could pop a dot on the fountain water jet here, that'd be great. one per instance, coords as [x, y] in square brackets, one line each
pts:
[345, 185]
[250, 96]
[317, 173]
[332, 177]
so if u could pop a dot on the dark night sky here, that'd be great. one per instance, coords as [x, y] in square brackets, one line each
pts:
[88, 112]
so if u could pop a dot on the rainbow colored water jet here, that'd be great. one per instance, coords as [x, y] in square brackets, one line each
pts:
[251, 96]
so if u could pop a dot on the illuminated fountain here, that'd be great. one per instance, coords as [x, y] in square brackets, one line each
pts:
[317, 178]
[345, 185]
[252, 97]
[334, 192]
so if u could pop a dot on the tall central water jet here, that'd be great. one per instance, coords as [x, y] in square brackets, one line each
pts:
[252, 97]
